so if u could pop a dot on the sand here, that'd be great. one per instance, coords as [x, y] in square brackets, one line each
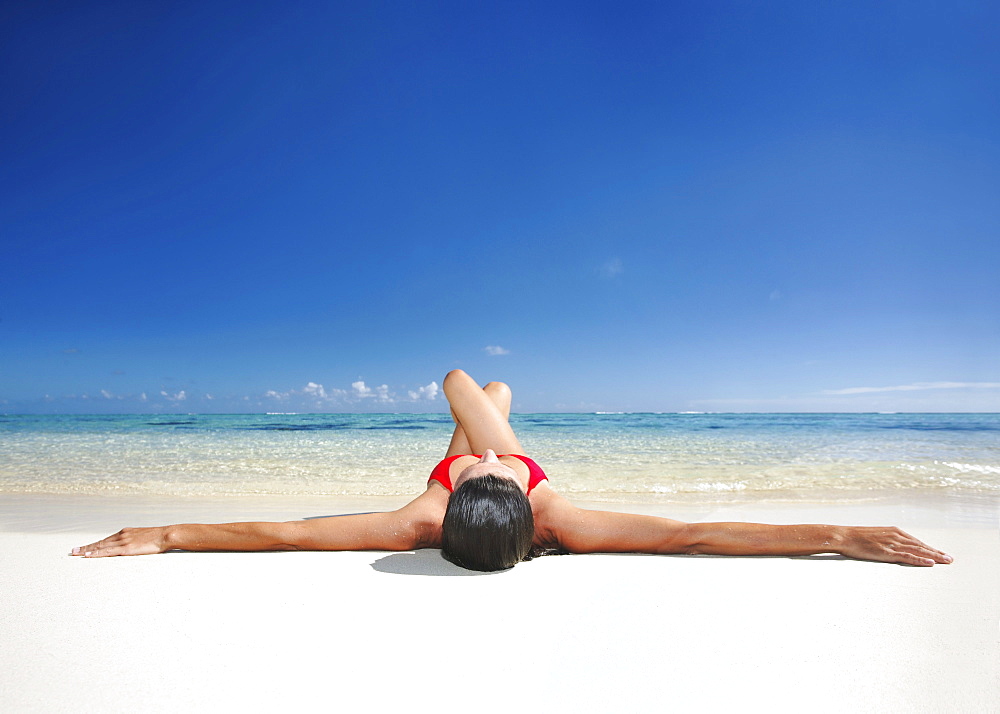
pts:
[408, 631]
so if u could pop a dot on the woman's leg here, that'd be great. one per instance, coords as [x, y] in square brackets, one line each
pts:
[499, 394]
[480, 415]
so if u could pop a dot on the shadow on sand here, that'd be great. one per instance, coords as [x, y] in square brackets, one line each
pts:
[428, 561]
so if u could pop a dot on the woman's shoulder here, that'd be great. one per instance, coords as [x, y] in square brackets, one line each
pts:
[425, 514]
[549, 510]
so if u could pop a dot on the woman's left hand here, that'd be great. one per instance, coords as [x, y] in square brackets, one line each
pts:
[127, 541]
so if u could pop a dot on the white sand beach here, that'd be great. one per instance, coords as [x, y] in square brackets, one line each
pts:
[409, 631]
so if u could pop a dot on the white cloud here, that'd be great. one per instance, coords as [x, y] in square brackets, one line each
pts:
[495, 350]
[612, 269]
[143, 397]
[429, 392]
[209, 397]
[380, 393]
[312, 389]
[314, 394]
[315, 390]
[179, 397]
[915, 387]
[106, 394]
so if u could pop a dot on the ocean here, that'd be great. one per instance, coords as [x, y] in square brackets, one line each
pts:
[601, 457]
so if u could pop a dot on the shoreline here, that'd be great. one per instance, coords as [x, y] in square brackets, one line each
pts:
[52, 513]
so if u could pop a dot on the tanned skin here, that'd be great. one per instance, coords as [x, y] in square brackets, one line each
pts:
[482, 427]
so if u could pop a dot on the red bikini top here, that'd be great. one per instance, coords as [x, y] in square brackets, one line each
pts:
[442, 472]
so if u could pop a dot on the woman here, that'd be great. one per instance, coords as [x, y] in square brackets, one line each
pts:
[488, 512]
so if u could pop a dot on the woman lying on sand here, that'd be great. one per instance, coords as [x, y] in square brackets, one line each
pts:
[490, 512]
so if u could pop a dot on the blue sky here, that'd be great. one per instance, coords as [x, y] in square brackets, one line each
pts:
[664, 206]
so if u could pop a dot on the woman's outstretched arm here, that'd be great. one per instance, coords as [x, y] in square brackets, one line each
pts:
[406, 529]
[581, 531]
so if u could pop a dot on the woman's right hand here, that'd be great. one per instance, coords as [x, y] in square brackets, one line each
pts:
[889, 545]
[127, 541]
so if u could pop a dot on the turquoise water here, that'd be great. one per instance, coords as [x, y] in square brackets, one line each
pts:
[597, 456]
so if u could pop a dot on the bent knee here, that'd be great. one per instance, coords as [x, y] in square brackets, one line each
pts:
[498, 389]
[454, 379]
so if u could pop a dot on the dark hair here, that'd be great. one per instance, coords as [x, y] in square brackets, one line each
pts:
[488, 524]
